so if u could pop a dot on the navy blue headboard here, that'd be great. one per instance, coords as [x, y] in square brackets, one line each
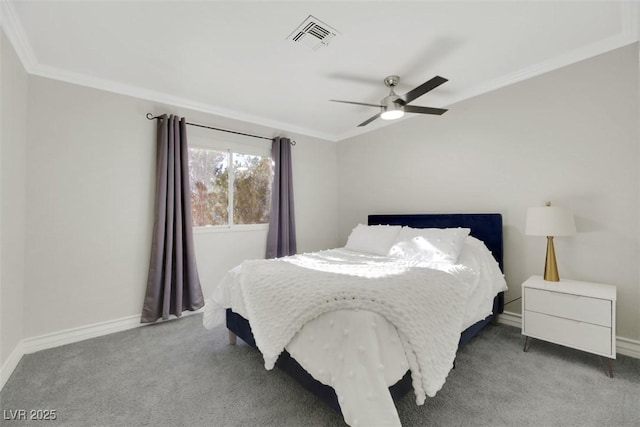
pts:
[486, 227]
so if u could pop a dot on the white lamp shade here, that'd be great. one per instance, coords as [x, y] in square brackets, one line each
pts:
[550, 221]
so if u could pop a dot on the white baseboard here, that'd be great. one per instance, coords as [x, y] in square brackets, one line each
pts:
[11, 364]
[511, 319]
[628, 347]
[625, 346]
[69, 336]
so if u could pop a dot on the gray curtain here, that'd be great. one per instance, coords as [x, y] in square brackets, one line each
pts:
[172, 284]
[281, 238]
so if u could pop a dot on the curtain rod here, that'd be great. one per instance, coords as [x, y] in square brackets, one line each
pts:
[152, 117]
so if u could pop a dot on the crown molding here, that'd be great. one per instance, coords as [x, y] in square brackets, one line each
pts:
[9, 21]
[12, 27]
[629, 34]
[630, 18]
[18, 38]
[174, 101]
[556, 63]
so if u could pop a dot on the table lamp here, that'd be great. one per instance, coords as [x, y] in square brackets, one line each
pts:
[550, 221]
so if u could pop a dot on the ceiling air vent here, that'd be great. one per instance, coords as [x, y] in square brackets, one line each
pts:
[313, 33]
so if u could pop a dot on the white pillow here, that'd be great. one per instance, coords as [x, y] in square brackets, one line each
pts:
[429, 245]
[374, 239]
[478, 257]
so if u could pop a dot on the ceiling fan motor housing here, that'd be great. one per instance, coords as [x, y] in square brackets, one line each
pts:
[391, 110]
[389, 102]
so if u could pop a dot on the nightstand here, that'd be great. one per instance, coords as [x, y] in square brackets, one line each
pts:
[580, 315]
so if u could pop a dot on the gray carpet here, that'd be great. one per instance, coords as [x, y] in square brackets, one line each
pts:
[179, 374]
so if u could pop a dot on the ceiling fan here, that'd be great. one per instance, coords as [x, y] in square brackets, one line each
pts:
[394, 106]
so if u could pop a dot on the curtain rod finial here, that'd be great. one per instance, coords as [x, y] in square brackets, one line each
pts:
[150, 116]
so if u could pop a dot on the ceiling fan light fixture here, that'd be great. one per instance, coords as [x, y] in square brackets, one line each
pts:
[393, 107]
[390, 109]
[392, 114]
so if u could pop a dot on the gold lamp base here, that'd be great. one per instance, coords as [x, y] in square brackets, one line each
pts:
[550, 266]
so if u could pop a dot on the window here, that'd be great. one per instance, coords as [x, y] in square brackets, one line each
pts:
[229, 188]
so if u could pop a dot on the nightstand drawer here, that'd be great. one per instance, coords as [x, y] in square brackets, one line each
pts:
[583, 336]
[569, 306]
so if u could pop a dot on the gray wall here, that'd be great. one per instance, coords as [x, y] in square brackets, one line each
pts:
[90, 190]
[76, 216]
[570, 136]
[13, 125]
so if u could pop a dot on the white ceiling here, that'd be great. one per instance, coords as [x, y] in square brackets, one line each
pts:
[232, 58]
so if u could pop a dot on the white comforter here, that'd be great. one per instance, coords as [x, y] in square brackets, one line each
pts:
[360, 348]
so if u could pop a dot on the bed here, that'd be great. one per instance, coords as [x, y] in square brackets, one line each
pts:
[486, 228]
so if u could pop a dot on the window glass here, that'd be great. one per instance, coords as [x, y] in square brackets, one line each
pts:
[221, 179]
[209, 182]
[251, 188]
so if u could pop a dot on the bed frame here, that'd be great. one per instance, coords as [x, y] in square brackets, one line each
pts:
[486, 227]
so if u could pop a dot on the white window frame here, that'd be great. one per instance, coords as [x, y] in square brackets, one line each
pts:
[230, 147]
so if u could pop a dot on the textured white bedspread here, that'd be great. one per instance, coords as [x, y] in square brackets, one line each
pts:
[425, 305]
[359, 348]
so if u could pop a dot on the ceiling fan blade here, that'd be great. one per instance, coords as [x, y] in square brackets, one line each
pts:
[424, 110]
[366, 122]
[423, 88]
[356, 103]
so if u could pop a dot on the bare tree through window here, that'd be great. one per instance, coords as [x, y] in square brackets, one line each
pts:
[213, 173]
